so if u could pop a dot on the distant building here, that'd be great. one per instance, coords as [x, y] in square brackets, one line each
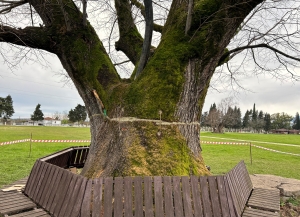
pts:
[51, 121]
[285, 131]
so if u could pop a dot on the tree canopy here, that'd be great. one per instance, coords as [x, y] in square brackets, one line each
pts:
[37, 114]
[78, 114]
[169, 75]
[6, 107]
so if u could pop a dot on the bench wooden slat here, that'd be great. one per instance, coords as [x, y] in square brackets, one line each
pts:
[31, 177]
[79, 198]
[233, 193]
[138, 196]
[35, 179]
[32, 213]
[118, 201]
[197, 204]
[47, 190]
[128, 197]
[214, 196]
[49, 196]
[169, 208]
[62, 192]
[61, 186]
[86, 202]
[39, 181]
[148, 197]
[68, 195]
[177, 196]
[205, 194]
[223, 196]
[186, 196]
[108, 190]
[258, 213]
[97, 199]
[158, 196]
[43, 187]
[79, 182]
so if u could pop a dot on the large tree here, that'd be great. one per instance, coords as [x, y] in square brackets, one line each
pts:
[77, 114]
[167, 89]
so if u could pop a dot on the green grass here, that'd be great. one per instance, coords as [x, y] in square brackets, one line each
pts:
[221, 158]
[15, 162]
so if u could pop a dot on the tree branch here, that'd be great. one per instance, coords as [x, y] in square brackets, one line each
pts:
[156, 27]
[33, 37]
[227, 54]
[148, 37]
[9, 5]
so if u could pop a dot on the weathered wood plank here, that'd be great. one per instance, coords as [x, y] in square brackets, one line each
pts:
[118, 195]
[233, 193]
[78, 201]
[128, 197]
[214, 196]
[169, 208]
[86, 202]
[54, 188]
[31, 178]
[138, 196]
[32, 213]
[148, 195]
[186, 196]
[79, 183]
[198, 210]
[47, 201]
[205, 195]
[258, 213]
[68, 197]
[108, 190]
[158, 196]
[177, 196]
[98, 195]
[48, 189]
[223, 196]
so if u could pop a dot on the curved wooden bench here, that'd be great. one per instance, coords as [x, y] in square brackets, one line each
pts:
[64, 194]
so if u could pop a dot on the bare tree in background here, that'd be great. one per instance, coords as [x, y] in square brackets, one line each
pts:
[166, 96]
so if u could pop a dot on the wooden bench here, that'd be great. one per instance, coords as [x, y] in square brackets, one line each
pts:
[248, 201]
[63, 193]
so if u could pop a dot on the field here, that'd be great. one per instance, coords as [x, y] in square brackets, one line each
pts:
[221, 158]
[16, 160]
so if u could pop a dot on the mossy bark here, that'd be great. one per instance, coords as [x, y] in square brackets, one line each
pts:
[166, 99]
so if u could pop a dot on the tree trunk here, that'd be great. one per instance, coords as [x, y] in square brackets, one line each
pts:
[165, 101]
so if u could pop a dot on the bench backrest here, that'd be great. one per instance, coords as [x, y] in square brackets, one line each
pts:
[65, 194]
[240, 186]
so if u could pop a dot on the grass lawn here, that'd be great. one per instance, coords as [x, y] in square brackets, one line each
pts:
[221, 158]
[15, 162]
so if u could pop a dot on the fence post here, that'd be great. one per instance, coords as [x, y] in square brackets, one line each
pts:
[251, 153]
[30, 145]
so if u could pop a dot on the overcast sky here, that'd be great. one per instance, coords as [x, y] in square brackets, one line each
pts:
[31, 84]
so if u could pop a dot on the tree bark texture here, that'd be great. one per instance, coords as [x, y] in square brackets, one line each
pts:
[167, 97]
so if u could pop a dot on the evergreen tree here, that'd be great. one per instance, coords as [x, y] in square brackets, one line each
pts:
[267, 119]
[78, 114]
[238, 118]
[6, 107]
[296, 125]
[246, 119]
[37, 114]
[254, 113]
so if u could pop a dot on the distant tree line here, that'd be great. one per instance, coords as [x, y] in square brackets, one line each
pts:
[229, 116]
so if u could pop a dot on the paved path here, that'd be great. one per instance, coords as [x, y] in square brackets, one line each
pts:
[287, 186]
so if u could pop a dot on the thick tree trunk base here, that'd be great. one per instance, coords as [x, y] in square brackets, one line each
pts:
[141, 148]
